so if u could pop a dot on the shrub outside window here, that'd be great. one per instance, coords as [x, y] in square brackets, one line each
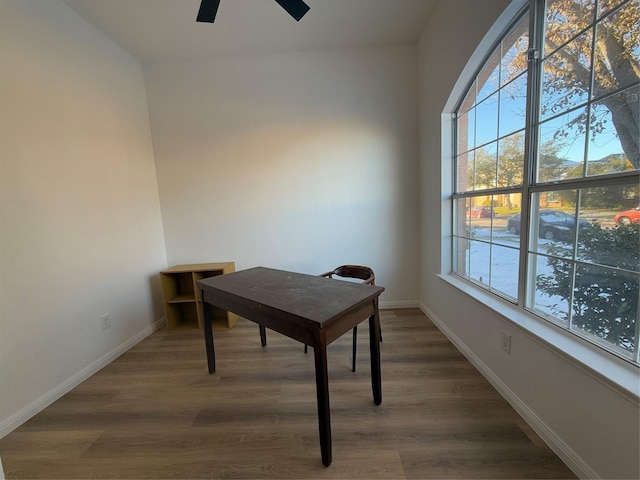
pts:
[547, 170]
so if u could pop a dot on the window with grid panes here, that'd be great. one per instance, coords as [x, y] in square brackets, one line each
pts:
[547, 172]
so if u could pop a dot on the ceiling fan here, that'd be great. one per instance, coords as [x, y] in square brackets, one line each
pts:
[208, 9]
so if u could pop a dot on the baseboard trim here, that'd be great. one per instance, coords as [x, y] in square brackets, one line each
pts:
[399, 304]
[560, 448]
[14, 421]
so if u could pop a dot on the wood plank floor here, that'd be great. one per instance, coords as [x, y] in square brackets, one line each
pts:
[155, 412]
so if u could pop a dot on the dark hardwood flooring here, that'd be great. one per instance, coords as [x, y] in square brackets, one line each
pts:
[155, 412]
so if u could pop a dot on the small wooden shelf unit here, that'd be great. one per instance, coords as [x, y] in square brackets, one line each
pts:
[182, 303]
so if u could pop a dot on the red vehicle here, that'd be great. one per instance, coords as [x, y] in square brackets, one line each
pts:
[628, 216]
[481, 212]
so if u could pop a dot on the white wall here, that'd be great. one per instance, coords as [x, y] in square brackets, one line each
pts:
[256, 160]
[591, 425]
[81, 232]
[301, 161]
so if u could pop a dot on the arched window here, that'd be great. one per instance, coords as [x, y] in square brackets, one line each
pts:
[546, 168]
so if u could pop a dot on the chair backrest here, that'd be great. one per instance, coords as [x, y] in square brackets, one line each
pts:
[353, 271]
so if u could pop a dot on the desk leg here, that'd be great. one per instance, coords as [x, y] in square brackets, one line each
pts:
[208, 334]
[374, 346]
[322, 392]
[263, 336]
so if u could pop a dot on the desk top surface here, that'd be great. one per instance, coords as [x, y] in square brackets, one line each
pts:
[314, 298]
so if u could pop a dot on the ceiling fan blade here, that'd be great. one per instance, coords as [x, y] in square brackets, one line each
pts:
[296, 8]
[208, 10]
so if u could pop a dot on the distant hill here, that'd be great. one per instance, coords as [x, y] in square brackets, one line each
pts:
[611, 163]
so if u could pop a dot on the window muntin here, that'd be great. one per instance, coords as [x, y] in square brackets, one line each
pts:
[489, 78]
[563, 139]
[487, 119]
[586, 273]
[510, 160]
[580, 270]
[564, 20]
[513, 98]
[565, 76]
[486, 250]
[514, 51]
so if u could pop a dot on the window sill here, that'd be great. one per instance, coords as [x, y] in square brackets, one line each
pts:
[605, 367]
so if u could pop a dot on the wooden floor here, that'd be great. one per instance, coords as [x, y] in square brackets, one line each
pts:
[155, 412]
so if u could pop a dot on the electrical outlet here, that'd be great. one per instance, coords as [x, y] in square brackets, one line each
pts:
[106, 321]
[506, 342]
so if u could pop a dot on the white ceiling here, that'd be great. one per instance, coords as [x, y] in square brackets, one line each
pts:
[166, 30]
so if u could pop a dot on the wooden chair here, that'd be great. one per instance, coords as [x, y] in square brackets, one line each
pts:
[345, 271]
[353, 271]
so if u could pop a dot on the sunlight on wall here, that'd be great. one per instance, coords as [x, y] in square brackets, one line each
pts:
[322, 189]
[301, 161]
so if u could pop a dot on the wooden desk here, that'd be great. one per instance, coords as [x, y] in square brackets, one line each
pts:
[313, 310]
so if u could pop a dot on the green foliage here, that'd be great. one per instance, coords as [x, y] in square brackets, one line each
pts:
[604, 197]
[605, 288]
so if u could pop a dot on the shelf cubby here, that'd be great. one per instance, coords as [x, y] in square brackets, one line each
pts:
[182, 302]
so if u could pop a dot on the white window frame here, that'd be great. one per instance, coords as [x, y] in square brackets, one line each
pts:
[602, 365]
